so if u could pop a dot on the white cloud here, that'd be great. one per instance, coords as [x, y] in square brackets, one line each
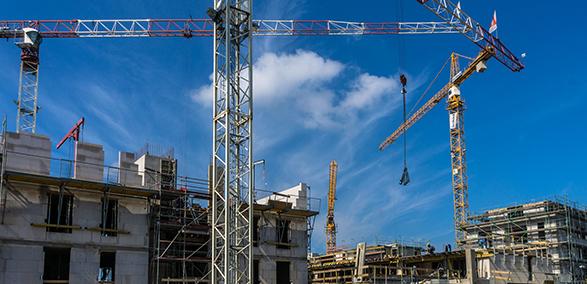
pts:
[368, 90]
[300, 83]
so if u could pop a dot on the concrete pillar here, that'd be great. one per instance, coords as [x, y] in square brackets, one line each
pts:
[471, 262]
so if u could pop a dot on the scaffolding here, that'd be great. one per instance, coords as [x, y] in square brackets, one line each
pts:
[180, 232]
[554, 230]
[388, 263]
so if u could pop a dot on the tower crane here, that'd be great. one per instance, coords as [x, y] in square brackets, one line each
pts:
[455, 107]
[330, 225]
[233, 28]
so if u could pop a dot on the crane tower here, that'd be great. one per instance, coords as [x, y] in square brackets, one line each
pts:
[232, 162]
[330, 225]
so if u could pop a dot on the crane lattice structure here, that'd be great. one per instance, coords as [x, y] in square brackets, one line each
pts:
[233, 28]
[330, 224]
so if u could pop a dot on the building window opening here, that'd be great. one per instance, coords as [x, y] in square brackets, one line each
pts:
[283, 233]
[59, 212]
[109, 223]
[282, 272]
[256, 272]
[541, 232]
[107, 266]
[56, 267]
[256, 230]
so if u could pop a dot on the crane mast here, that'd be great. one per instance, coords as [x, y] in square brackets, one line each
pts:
[330, 224]
[232, 145]
[28, 84]
[455, 107]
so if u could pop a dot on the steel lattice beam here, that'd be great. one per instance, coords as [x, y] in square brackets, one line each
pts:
[232, 163]
[205, 28]
[456, 17]
[28, 88]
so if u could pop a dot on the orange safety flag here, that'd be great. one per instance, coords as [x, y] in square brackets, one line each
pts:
[493, 26]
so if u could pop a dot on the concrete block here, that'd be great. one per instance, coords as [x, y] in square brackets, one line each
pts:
[89, 162]
[21, 264]
[28, 153]
[129, 171]
[132, 267]
[149, 169]
[297, 196]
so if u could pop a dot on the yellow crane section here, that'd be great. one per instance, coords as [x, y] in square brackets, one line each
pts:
[455, 107]
[330, 225]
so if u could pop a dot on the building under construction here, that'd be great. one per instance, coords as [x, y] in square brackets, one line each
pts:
[540, 242]
[552, 233]
[79, 221]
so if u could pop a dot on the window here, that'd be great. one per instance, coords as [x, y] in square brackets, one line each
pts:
[282, 233]
[107, 266]
[256, 230]
[282, 272]
[59, 215]
[256, 271]
[530, 272]
[541, 231]
[109, 217]
[56, 266]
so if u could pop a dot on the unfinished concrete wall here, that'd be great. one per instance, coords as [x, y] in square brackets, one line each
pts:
[89, 162]
[27, 204]
[502, 268]
[297, 196]
[149, 167]
[21, 263]
[132, 267]
[22, 243]
[298, 270]
[268, 252]
[28, 153]
[129, 171]
[83, 266]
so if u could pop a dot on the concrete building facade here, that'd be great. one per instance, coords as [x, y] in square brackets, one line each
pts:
[69, 222]
[281, 235]
[79, 221]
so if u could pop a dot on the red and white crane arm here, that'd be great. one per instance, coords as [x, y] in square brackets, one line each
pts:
[453, 15]
[204, 28]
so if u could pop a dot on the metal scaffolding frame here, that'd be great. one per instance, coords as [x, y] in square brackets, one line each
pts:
[392, 263]
[549, 229]
[179, 248]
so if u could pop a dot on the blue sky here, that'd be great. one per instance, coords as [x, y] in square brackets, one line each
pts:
[325, 98]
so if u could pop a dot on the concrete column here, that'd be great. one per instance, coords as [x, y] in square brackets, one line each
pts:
[471, 262]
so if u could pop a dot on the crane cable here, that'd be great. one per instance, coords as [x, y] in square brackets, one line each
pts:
[429, 87]
[405, 178]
